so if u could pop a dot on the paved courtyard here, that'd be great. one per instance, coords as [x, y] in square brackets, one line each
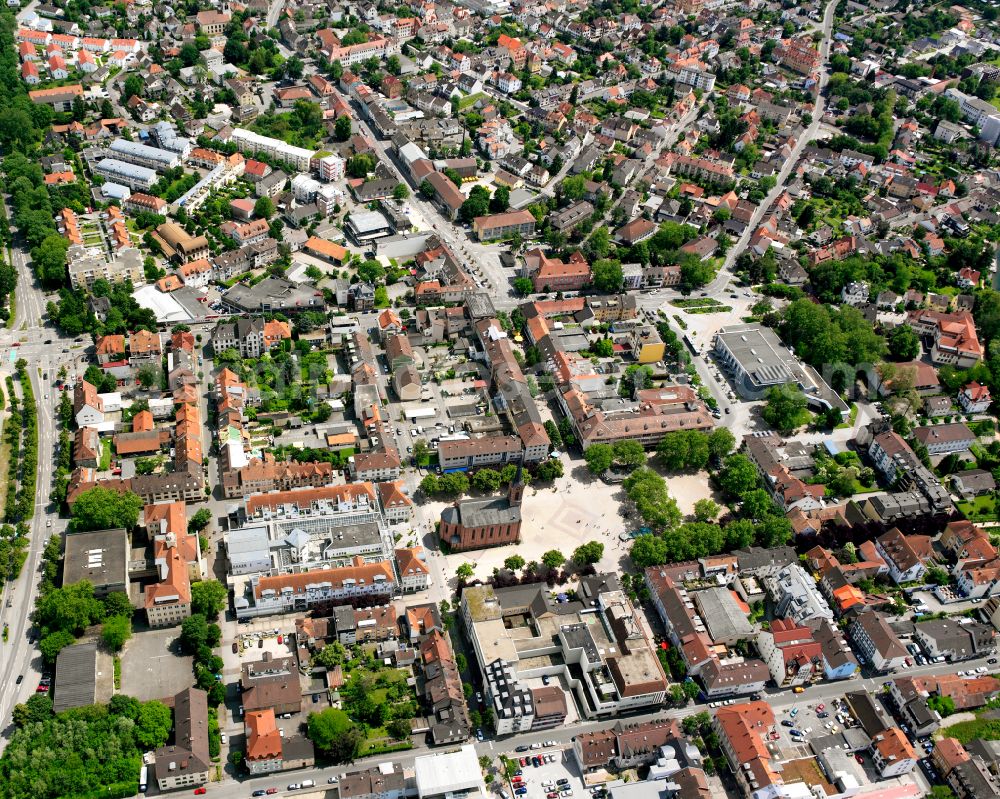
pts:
[151, 667]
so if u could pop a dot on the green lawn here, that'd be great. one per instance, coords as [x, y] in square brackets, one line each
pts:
[966, 731]
[979, 509]
[105, 463]
[471, 100]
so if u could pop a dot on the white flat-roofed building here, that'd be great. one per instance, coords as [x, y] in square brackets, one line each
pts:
[450, 775]
[250, 142]
[757, 361]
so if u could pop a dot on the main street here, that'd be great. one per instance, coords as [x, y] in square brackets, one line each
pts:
[721, 281]
[46, 351]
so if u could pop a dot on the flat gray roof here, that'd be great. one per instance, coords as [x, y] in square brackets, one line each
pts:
[100, 557]
[724, 619]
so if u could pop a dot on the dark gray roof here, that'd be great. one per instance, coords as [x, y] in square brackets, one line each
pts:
[76, 677]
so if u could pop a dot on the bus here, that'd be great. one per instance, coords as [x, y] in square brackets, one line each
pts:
[143, 773]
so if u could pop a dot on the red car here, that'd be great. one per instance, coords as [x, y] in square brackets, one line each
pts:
[859, 759]
[821, 706]
[524, 761]
[199, 791]
[271, 790]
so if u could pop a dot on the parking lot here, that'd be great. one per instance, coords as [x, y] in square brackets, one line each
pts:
[152, 667]
[799, 724]
[559, 774]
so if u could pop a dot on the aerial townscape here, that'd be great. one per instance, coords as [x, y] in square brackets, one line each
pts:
[500, 399]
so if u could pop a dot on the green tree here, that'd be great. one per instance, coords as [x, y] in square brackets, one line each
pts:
[371, 271]
[486, 480]
[550, 469]
[464, 572]
[705, 510]
[648, 492]
[785, 408]
[196, 633]
[201, 519]
[721, 442]
[152, 727]
[342, 128]
[904, 343]
[500, 201]
[101, 508]
[588, 553]
[400, 192]
[695, 273]
[49, 259]
[37, 709]
[629, 454]
[603, 348]
[263, 208]
[478, 204]
[116, 631]
[334, 734]
[72, 608]
[427, 190]
[133, 86]
[523, 286]
[148, 376]
[553, 559]
[607, 276]
[358, 166]
[399, 729]
[648, 550]
[117, 603]
[53, 643]
[209, 598]
[513, 563]
[599, 458]
[331, 655]
[738, 475]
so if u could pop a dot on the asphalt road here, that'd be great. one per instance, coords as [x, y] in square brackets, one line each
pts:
[719, 284]
[42, 348]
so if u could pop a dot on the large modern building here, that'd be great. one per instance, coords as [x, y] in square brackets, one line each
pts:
[504, 226]
[100, 557]
[757, 361]
[596, 645]
[307, 528]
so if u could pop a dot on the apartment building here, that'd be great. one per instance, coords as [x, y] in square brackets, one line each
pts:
[361, 582]
[186, 762]
[505, 225]
[252, 143]
[876, 643]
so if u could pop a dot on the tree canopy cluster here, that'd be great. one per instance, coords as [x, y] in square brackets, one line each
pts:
[87, 752]
[758, 522]
[692, 450]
